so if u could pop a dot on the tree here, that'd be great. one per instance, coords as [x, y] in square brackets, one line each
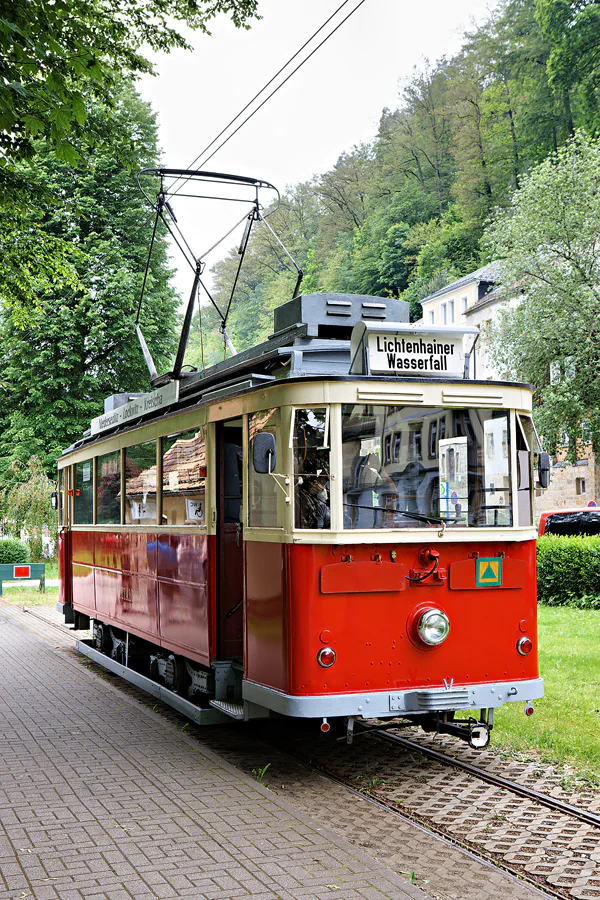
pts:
[57, 57]
[549, 246]
[26, 505]
[79, 345]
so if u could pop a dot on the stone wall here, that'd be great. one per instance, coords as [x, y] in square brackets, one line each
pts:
[563, 489]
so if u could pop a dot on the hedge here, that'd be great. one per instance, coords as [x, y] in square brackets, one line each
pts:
[568, 571]
[13, 551]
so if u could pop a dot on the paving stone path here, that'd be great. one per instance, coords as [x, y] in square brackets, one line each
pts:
[101, 799]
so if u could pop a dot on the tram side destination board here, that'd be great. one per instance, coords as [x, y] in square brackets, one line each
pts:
[138, 406]
[398, 349]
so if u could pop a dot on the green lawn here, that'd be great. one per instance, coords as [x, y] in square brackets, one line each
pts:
[30, 596]
[565, 727]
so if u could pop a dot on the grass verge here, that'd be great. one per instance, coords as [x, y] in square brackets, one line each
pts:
[565, 728]
[30, 596]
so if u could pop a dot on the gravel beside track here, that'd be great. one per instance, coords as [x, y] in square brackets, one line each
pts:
[398, 795]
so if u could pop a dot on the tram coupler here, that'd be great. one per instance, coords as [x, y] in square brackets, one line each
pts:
[476, 734]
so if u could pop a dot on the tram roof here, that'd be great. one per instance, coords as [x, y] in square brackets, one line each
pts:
[311, 341]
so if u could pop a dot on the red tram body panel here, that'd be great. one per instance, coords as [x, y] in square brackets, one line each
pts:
[333, 542]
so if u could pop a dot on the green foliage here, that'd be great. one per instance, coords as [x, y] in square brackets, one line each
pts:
[548, 241]
[568, 571]
[408, 210]
[57, 57]
[77, 345]
[13, 551]
[27, 504]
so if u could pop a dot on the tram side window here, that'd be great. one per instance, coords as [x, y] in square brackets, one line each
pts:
[84, 493]
[140, 484]
[184, 478]
[463, 478]
[108, 480]
[310, 442]
[61, 496]
[262, 489]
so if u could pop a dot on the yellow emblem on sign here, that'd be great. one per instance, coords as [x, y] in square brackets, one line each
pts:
[488, 572]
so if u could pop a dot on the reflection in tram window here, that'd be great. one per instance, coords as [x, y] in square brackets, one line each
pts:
[311, 468]
[184, 478]
[108, 477]
[140, 484]
[262, 489]
[464, 479]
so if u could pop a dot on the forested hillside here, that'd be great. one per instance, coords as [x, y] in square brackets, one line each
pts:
[402, 215]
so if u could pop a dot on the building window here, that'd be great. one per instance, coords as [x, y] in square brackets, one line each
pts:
[451, 311]
[108, 495]
[580, 485]
[388, 448]
[463, 305]
[432, 317]
[444, 320]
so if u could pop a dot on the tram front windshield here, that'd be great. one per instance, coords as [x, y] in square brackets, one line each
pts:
[405, 464]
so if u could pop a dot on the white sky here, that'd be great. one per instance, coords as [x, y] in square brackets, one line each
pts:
[331, 104]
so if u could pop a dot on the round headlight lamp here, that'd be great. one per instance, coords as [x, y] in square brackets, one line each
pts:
[433, 627]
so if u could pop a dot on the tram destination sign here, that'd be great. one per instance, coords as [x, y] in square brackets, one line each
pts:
[139, 406]
[401, 350]
[414, 355]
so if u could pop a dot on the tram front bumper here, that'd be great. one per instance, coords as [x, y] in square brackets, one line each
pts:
[382, 704]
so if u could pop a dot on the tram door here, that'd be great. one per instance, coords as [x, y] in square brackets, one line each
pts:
[230, 603]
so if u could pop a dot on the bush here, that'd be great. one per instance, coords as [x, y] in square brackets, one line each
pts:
[13, 551]
[568, 571]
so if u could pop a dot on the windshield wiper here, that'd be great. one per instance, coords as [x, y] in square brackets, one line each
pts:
[420, 517]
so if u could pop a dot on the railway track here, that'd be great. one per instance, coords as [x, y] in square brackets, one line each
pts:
[574, 812]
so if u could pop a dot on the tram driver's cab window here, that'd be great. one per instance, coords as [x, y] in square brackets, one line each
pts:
[453, 467]
[263, 488]
[184, 478]
[310, 444]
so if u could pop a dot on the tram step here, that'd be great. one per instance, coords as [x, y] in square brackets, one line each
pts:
[230, 707]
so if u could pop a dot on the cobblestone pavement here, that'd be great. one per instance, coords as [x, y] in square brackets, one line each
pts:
[99, 798]
[443, 871]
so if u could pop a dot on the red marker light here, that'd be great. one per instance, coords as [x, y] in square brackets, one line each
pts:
[524, 646]
[326, 657]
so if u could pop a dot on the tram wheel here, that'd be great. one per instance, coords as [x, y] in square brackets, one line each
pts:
[174, 674]
[102, 638]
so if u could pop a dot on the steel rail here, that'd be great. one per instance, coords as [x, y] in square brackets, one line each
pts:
[583, 815]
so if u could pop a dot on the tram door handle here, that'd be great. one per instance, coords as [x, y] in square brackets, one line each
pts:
[238, 533]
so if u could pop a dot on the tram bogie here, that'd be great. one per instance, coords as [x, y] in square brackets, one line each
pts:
[304, 532]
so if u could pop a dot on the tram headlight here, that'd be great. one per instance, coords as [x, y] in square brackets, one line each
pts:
[433, 627]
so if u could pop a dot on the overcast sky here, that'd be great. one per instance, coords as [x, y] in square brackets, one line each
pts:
[331, 104]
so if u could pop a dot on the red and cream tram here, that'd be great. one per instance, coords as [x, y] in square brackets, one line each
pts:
[337, 523]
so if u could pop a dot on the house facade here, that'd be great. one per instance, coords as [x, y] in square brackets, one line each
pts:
[475, 300]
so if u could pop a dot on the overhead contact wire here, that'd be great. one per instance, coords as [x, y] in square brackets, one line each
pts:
[257, 95]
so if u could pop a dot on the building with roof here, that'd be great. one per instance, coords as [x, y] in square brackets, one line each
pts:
[476, 300]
